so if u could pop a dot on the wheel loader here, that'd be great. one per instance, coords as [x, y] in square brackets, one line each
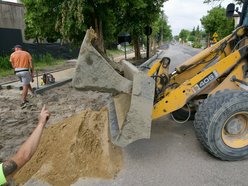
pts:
[211, 88]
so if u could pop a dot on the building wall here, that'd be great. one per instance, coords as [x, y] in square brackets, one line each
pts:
[12, 32]
[12, 16]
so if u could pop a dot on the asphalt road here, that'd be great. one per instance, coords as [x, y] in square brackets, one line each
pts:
[173, 156]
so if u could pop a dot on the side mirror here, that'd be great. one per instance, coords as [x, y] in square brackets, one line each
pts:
[230, 10]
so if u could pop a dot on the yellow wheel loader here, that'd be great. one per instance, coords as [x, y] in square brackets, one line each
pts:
[210, 88]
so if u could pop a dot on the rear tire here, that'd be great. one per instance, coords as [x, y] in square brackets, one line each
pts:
[221, 124]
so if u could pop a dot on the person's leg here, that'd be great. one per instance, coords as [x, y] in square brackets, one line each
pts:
[26, 79]
[24, 93]
[30, 89]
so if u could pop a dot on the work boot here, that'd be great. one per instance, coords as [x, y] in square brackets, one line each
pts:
[24, 104]
[32, 93]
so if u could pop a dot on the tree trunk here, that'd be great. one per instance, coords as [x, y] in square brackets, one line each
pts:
[153, 45]
[136, 48]
[99, 32]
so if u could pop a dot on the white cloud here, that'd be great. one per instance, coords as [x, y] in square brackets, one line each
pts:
[187, 14]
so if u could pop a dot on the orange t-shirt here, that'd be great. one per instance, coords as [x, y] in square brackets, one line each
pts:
[21, 59]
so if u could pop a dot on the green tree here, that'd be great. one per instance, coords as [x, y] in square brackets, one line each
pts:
[198, 36]
[165, 31]
[100, 14]
[55, 19]
[183, 35]
[216, 21]
[133, 16]
[70, 19]
[161, 30]
[40, 19]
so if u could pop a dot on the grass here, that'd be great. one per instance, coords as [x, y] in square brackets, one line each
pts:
[40, 62]
[4, 73]
[116, 52]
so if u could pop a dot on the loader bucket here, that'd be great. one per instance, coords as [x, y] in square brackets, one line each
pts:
[131, 105]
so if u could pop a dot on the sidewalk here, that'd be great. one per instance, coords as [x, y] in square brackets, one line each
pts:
[61, 77]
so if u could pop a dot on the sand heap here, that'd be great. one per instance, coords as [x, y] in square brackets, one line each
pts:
[76, 147]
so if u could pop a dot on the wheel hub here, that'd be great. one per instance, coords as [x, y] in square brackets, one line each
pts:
[235, 130]
[236, 125]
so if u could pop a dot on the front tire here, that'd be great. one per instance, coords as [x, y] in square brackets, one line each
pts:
[221, 124]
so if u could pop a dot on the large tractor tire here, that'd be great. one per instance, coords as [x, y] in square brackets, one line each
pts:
[221, 124]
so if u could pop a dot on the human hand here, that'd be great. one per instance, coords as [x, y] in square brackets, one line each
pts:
[44, 116]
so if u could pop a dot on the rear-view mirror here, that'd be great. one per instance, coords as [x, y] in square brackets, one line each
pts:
[230, 10]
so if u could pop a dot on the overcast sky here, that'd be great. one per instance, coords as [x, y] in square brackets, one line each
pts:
[11, 0]
[186, 14]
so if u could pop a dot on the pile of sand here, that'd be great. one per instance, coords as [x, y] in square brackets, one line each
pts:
[77, 147]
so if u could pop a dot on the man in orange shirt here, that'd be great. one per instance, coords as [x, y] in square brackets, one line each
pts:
[21, 61]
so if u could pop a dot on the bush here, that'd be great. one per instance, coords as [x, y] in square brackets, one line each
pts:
[4, 63]
[197, 45]
[47, 59]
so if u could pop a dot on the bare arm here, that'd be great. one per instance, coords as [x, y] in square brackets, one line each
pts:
[32, 68]
[28, 148]
[11, 61]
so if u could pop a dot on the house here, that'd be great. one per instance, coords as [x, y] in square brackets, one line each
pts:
[11, 25]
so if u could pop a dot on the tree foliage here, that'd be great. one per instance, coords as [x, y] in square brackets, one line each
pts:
[195, 37]
[133, 16]
[40, 19]
[100, 14]
[183, 35]
[68, 20]
[163, 32]
[55, 19]
[216, 21]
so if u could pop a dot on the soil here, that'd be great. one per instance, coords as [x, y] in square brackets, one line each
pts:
[76, 142]
[75, 147]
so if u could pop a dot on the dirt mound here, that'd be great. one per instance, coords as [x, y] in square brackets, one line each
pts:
[75, 147]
